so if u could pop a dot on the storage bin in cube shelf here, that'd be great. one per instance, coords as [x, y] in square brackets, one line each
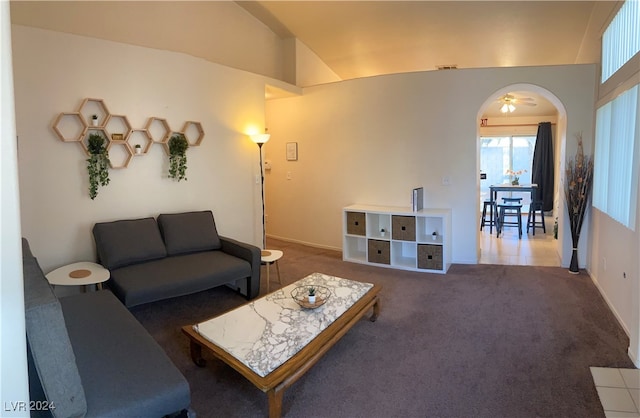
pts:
[356, 223]
[403, 228]
[429, 257]
[379, 251]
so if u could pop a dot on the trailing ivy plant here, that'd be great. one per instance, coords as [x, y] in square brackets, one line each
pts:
[98, 164]
[178, 157]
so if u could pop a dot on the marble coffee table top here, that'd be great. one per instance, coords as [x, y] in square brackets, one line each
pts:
[270, 330]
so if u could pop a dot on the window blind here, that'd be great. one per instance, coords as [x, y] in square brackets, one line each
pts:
[617, 158]
[621, 39]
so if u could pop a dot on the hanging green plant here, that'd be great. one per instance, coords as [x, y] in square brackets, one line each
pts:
[178, 157]
[98, 164]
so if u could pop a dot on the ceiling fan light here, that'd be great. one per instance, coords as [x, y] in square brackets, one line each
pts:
[511, 107]
[504, 108]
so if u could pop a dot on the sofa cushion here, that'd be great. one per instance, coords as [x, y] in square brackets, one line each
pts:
[189, 232]
[49, 345]
[125, 242]
[124, 371]
[176, 276]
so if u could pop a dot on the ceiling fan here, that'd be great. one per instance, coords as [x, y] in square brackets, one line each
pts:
[508, 102]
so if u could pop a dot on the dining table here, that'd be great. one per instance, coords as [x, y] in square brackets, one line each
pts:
[531, 188]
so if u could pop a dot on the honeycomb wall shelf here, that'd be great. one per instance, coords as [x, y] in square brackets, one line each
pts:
[78, 126]
[118, 124]
[193, 132]
[93, 130]
[122, 157]
[165, 144]
[158, 129]
[69, 127]
[90, 107]
[140, 137]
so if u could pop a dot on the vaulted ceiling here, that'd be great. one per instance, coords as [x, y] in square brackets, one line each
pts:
[369, 38]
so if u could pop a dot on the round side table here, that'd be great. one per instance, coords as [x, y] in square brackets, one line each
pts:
[83, 273]
[269, 257]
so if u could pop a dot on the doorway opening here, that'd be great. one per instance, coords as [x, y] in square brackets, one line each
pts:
[506, 144]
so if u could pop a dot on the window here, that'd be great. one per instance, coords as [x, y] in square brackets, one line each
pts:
[621, 39]
[616, 160]
[499, 154]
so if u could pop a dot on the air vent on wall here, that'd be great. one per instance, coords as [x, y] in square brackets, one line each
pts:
[447, 67]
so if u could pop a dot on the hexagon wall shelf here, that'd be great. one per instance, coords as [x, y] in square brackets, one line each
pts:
[119, 125]
[158, 130]
[120, 154]
[193, 132]
[165, 144]
[77, 126]
[85, 139]
[69, 127]
[140, 137]
[96, 107]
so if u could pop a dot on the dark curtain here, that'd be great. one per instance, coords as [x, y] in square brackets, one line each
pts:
[542, 167]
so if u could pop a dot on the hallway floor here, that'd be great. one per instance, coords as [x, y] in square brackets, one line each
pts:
[538, 250]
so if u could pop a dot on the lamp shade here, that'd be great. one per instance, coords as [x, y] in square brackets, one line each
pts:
[260, 138]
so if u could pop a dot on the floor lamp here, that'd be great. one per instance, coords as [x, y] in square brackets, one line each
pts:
[261, 139]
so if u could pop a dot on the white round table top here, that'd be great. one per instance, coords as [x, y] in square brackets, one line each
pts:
[78, 274]
[269, 256]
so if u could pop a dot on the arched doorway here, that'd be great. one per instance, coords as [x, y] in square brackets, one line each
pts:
[505, 130]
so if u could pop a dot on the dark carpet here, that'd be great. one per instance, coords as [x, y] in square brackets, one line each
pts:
[480, 341]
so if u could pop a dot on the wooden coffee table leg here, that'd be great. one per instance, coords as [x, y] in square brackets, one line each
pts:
[196, 354]
[376, 310]
[275, 396]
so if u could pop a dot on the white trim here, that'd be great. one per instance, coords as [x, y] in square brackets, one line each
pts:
[618, 317]
[309, 244]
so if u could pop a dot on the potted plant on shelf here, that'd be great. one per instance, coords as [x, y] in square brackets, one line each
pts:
[434, 235]
[382, 232]
[94, 120]
[138, 149]
[312, 294]
[98, 164]
[178, 157]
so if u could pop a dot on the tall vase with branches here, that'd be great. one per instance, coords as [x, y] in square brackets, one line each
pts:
[577, 189]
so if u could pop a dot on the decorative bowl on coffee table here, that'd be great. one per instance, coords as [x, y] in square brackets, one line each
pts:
[301, 295]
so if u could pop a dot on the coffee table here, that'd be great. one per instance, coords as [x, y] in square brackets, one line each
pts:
[272, 341]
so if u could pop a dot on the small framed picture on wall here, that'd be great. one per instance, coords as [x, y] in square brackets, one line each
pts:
[292, 151]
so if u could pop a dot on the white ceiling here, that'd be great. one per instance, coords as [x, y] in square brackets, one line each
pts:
[368, 38]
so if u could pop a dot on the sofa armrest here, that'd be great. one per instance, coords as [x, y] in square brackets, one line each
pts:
[247, 252]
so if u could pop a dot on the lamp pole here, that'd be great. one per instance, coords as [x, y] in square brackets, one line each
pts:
[264, 231]
[261, 139]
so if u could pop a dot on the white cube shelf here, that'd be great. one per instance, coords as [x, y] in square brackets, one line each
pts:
[426, 252]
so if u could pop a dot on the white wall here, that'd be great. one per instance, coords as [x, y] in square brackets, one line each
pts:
[55, 71]
[13, 356]
[310, 69]
[615, 265]
[372, 140]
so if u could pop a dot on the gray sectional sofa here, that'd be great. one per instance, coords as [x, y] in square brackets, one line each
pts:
[176, 255]
[90, 357]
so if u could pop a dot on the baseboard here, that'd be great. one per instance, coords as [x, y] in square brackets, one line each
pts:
[617, 315]
[308, 244]
[633, 358]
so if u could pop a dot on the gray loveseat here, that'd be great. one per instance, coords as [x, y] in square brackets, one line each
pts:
[89, 357]
[176, 255]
